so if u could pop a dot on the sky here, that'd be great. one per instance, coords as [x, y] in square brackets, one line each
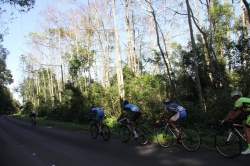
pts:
[15, 41]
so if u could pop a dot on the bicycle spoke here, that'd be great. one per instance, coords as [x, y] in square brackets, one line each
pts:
[105, 132]
[190, 139]
[124, 134]
[94, 131]
[164, 137]
[143, 135]
[227, 143]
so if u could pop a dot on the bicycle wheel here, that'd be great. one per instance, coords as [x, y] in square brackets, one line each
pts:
[32, 122]
[190, 139]
[94, 131]
[227, 143]
[143, 135]
[105, 132]
[124, 133]
[164, 137]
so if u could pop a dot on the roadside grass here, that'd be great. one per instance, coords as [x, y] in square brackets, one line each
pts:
[207, 136]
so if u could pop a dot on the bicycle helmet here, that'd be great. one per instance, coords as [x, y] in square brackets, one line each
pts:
[125, 102]
[236, 93]
[93, 106]
[167, 100]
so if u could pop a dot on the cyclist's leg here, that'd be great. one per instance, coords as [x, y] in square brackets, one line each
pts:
[173, 120]
[34, 118]
[246, 124]
[133, 119]
[98, 118]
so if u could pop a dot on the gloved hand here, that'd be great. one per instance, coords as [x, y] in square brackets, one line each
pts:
[221, 122]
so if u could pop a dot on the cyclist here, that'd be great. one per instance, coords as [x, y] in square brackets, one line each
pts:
[133, 113]
[241, 104]
[97, 114]
[177, 114]
[33, 116]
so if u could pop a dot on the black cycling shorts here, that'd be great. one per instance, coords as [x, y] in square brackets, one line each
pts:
[134, 116]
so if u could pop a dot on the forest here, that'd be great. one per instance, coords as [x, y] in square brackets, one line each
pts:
[99, 52]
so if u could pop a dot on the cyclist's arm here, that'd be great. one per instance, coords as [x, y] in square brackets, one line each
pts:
[163, 115]
[233, 114]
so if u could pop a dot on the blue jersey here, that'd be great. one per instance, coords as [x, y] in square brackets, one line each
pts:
[131, 107]
[175, 108]
[98, 111]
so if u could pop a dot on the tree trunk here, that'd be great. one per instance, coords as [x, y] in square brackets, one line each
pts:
[118, 60]
[195, 58]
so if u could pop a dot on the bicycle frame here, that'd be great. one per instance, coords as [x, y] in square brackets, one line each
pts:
[238, 132]
[126, 132]
[228, 142]
[167, 126]
[170, 129]
[127, 124]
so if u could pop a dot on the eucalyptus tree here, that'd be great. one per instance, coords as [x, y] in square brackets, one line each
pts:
[118, 58]
[163, 53]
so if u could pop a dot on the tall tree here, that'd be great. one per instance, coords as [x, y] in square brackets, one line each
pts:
[195, 58]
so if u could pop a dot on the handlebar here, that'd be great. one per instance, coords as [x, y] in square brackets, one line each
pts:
[230, 123]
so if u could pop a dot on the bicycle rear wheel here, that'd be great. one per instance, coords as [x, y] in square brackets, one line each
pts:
[190, 139]
[94, 130]
[143, 135]
[124, 133]
[227, 143]
[105, 132]
[164, 137]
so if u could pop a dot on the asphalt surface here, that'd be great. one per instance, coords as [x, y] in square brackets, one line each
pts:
[24, 145]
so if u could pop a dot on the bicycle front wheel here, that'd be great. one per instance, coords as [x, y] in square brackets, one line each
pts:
[227, 143]
[105, 132]
[94, 130]
[190, 139]
[164, 137]
[124, 133]
[143, 135]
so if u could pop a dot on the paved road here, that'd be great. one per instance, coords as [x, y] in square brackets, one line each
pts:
[24, 145]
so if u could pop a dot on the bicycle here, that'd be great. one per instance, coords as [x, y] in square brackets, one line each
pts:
[227, 141]
[105, 132]
[189, 138]
[126, 132]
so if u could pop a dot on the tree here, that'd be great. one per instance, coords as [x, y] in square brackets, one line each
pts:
[195, 58]
[7, 106]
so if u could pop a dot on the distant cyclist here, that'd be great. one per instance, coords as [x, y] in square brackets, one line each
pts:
[133, 113]
[177, 114]
[97, 114]
[241, 104]
[33, 116]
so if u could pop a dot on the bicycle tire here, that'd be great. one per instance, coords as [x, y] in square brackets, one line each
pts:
[33, 123]
[124, 133]
[190, 139]
[164, 137]
[94, 130]
[105, 132]
[225, 146]
[143, 135]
